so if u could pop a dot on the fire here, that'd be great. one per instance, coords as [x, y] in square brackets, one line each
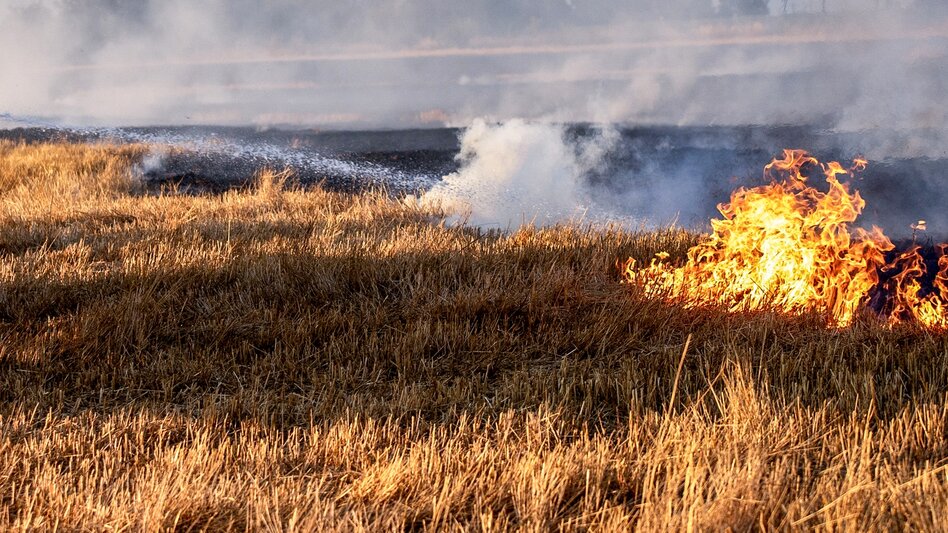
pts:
[909, 303]
[791, 247]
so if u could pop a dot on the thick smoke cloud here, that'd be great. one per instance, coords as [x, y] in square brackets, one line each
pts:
[523, 173]
[859, 65]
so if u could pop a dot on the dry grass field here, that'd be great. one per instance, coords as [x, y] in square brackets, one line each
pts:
[283, 359]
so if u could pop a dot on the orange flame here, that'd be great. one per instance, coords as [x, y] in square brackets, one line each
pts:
[930, 310]
[790, 247]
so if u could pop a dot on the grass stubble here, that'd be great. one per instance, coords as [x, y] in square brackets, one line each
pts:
[274, 358]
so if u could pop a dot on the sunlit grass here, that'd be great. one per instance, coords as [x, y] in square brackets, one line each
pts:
[280, 358]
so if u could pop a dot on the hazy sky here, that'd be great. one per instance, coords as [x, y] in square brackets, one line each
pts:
[368, 63]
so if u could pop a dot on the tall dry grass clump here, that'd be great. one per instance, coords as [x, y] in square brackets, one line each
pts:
[53, 177]
[282, 358]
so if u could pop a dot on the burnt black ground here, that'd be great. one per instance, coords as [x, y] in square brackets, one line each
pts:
[214, 159]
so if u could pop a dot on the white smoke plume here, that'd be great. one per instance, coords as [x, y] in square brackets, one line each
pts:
[519, 172]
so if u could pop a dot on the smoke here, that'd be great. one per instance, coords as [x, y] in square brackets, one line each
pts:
[541, 173]
[153, 161]
[519, 172]
[858, 66]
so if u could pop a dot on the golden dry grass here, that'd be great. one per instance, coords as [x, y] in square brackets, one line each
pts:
[300, 359]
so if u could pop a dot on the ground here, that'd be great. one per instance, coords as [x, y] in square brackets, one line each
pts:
[284, 358]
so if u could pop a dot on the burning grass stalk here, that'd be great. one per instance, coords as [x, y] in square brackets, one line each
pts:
[790, 247]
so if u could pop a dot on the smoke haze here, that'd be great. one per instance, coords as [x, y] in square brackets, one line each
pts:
[860, 65]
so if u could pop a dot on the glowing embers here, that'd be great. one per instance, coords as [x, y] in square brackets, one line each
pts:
[790, 247]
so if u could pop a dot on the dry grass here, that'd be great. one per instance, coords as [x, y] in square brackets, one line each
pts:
[40, 178]
[292, 360]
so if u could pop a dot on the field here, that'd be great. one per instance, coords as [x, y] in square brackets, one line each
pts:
[280, 358]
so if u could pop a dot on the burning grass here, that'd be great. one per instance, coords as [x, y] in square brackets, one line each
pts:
[277, 358]
[790, 247]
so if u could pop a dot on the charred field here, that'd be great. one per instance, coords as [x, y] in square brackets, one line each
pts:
[253, 350]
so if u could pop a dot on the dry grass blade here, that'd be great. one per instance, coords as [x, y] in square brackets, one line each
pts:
[681, 363]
